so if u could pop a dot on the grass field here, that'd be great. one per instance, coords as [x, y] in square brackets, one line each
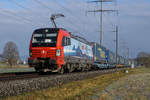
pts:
[4, 68]
[3, 65]
[116, 86]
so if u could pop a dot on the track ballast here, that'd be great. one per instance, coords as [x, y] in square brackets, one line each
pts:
[36, 81]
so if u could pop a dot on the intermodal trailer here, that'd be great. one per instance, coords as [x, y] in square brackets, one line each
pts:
[112, 59]
[56, 50]
[103, 58]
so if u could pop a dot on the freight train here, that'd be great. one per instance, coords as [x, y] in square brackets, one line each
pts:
[105, 58]
[57, 50]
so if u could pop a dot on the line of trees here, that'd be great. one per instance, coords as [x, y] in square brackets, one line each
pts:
[143, 59]
[10, 54]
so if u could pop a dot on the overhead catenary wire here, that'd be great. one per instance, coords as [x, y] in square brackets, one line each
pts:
[10, 13]
[13, 1]
[42, 4]
[76, 17]
[47, 7]
[21, 6]
[109, 21]
[27, 20]
[26, 8]
[101, 10]
[64, 26]
[122, 44]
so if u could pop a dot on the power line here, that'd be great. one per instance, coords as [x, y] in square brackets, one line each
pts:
[70, 12]
[39, 2]
[73, 30]
[101, 10]
[77, 18]
[10, 13]
[19, 5]
[14, 14]
[44, 5]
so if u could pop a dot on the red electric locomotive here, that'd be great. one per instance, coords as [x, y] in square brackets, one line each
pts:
[56, 50]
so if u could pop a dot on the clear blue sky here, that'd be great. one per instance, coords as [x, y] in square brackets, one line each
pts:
[20, 17]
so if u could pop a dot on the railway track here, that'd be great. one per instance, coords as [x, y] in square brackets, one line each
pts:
[17, 76]
[27, 82]
[5, 77]
[28, 75]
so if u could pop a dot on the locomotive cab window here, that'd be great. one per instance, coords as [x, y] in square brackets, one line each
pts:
[44, 39]
[66, 41]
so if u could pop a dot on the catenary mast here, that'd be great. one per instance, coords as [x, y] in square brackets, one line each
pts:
[101, 10]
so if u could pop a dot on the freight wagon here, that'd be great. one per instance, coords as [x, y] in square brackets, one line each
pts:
[103, 58]
[56, 50]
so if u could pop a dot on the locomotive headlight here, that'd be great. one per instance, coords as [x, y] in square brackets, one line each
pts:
[58, 52]
[30, 53]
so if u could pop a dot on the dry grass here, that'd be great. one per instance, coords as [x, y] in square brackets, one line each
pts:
[17, 68]
[89, 89]
[133, 87]
[21, 66]
[4, 65]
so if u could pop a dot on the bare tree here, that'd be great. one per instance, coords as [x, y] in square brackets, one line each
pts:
[143, 54]
[11, 54]
[143, 58]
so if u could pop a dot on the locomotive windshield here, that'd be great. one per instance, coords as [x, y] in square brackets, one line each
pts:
[44, 39]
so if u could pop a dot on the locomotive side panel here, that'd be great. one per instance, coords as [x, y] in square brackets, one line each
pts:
[78, 49]
[78, 55]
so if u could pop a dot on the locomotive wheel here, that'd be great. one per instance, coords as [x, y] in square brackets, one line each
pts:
[61, 71]
[40, 71]
[83, 67]
[70, 68]
[88, 67]
[37, 69]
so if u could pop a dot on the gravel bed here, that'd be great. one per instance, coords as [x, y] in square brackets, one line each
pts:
[132, 87]
[13, 88]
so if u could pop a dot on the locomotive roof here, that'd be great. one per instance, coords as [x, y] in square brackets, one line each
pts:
[73, 36]
[52, 29]
[80, 38]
